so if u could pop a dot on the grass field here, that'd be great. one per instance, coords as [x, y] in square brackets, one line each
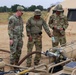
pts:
[4, 16]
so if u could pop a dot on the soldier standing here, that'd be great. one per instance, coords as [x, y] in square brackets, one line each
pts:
[15, 31]
[58, 23]
[34, 33]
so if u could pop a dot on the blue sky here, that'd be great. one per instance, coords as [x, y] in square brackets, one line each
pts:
[27, 3]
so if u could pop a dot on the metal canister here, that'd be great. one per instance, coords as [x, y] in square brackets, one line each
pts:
[53, 39]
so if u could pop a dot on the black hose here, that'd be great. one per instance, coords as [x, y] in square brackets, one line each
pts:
[5, 50]
[22, 60]
[25, 57]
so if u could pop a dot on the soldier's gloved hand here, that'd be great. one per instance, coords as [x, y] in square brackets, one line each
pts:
[30, 38]
[11, 42]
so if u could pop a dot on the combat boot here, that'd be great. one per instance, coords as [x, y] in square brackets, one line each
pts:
[28, 65]
[36, 62]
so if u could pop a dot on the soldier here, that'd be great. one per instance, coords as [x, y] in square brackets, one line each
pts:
[58, 23]
[15, 31]
[34, 33]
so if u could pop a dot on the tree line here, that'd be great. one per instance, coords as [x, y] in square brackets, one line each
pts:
[13, 8]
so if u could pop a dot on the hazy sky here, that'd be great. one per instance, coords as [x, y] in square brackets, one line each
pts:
[27, 3]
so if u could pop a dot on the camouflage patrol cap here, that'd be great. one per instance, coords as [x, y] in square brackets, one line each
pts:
[20, 8]
[58, 8]
[37, 12]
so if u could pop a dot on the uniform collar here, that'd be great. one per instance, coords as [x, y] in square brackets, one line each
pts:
[16, 16]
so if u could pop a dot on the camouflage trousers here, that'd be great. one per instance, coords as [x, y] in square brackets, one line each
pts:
[37, 41]
[15, 49]
[59, 39]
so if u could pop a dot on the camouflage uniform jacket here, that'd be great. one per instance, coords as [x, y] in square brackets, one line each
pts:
[58, 21]
[15, 26]
[35, 26]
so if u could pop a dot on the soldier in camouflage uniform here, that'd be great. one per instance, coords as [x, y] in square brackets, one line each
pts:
[15, 31]
[58, 23]
[34, 33]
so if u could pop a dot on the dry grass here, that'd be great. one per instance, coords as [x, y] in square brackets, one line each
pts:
[4, 16]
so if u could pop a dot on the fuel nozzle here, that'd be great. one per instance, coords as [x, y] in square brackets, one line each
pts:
[51, 54]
